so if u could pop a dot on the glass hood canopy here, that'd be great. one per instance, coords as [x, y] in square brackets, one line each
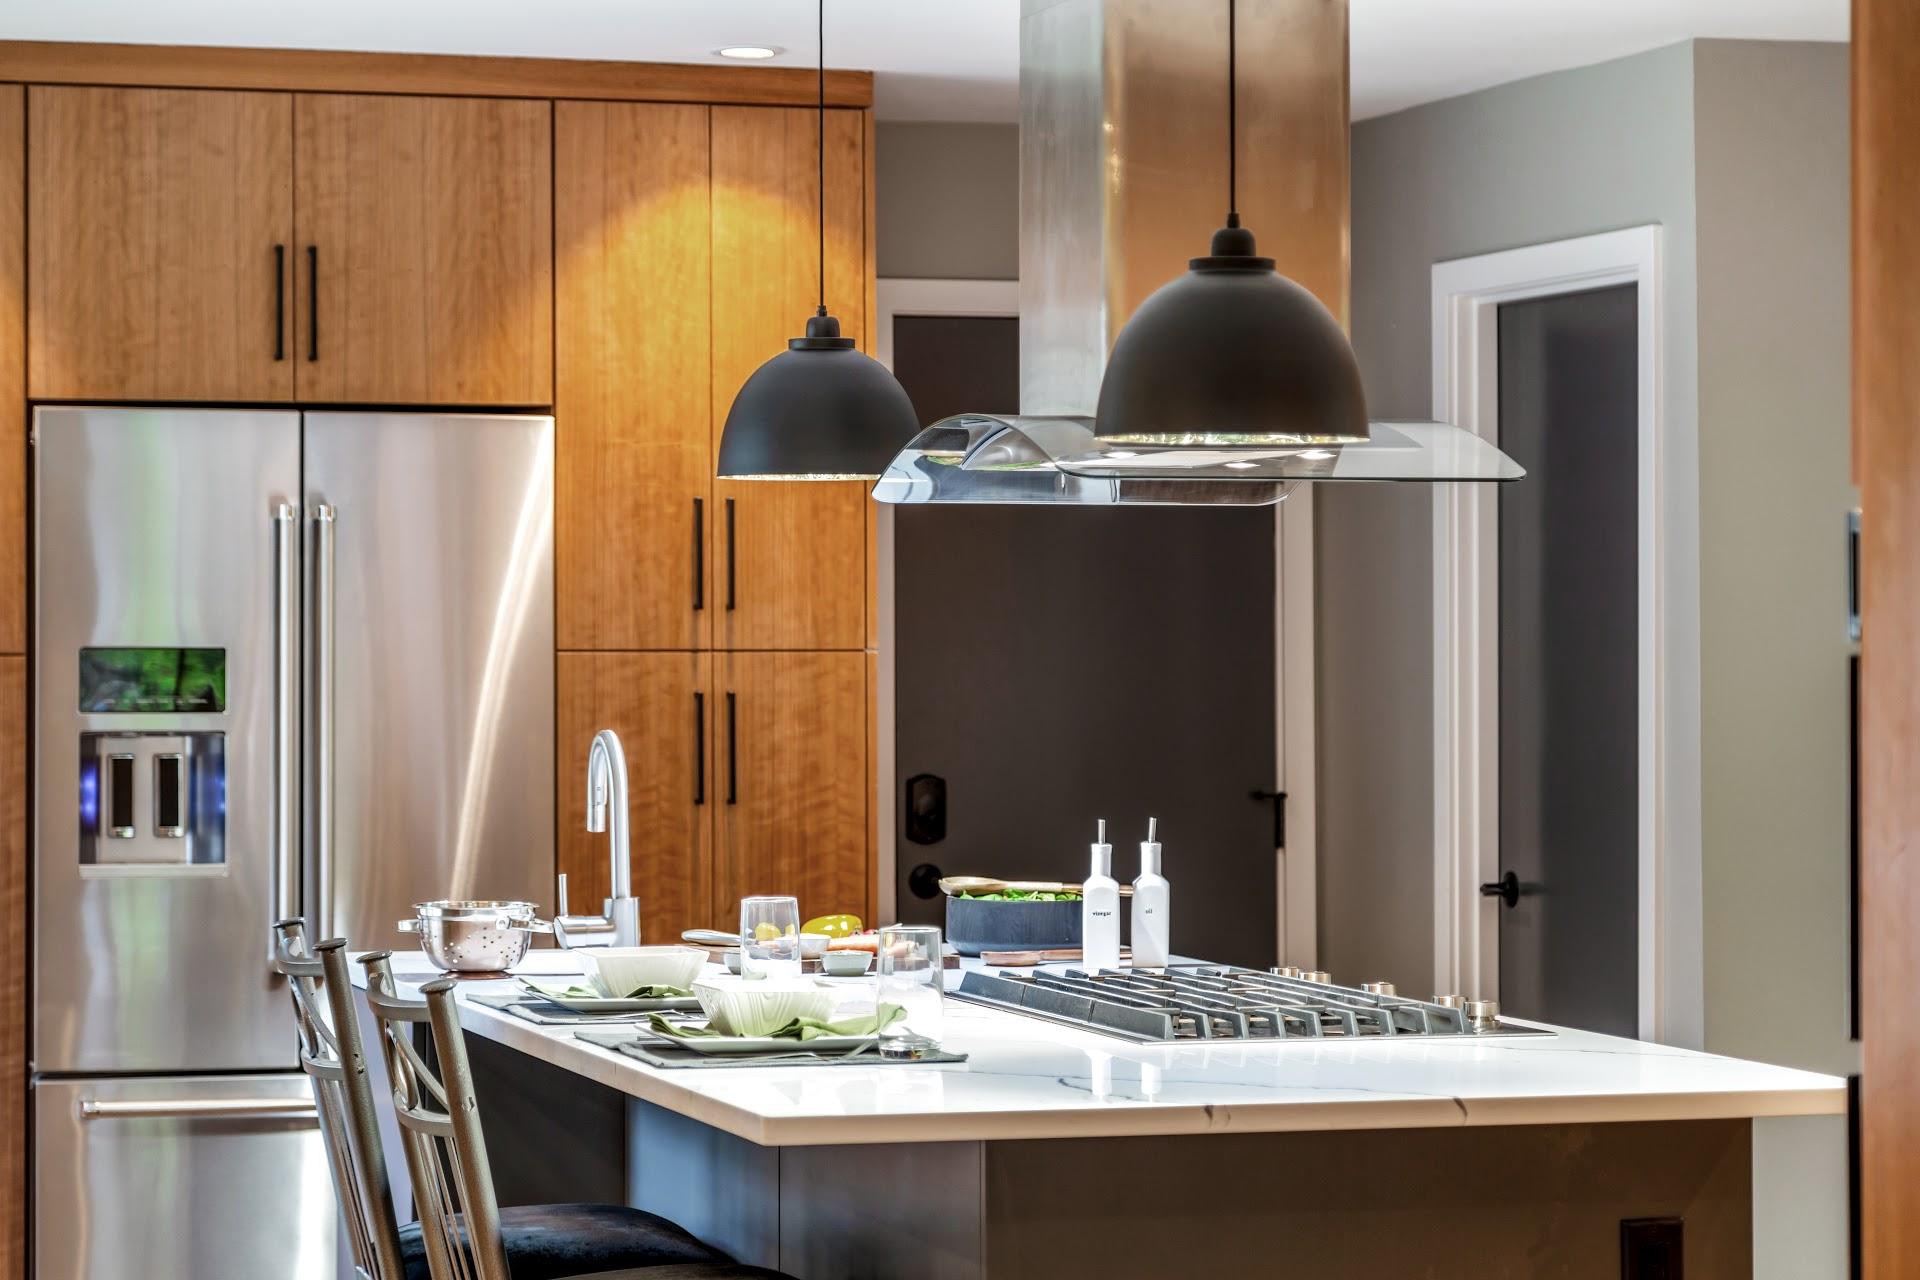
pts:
[985, 458]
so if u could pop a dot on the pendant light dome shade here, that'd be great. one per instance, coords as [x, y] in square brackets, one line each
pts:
[1232, 353]
[820, 410]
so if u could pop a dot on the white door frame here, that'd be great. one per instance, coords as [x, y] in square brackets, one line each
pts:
[1467, 293]
[1297, 940]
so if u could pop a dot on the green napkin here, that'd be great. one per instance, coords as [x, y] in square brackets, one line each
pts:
[583, 991]
[861, 1024]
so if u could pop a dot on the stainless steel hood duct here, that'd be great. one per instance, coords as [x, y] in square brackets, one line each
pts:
[1123, 108]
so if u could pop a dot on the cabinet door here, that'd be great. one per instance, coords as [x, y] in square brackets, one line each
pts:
[631, 343]
[790, 563]
[790, 780]
[425, 272]
[660, 706]
[160, 232]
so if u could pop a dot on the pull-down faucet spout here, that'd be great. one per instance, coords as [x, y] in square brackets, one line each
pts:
[618, 925]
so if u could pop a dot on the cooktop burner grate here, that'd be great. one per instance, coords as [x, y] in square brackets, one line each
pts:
[1227, 1002]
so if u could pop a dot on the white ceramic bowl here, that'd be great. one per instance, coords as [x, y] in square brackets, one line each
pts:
[813, 945]
[732, 960]
[846, 964]
[617, 971]
[742, 1007]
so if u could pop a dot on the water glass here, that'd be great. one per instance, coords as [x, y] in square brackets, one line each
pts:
[912, 971]
[770, 937]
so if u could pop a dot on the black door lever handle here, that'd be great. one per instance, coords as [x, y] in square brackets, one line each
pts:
[1506, 888]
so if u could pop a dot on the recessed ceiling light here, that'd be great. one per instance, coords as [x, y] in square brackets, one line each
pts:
[1242, 466]
[1316, 455]
[751, 52]
[1121, 453]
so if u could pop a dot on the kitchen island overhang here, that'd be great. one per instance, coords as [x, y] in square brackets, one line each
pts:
[1054, 1151]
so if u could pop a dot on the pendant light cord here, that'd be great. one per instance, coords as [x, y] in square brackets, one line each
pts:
[821, 40]
[1233, 111]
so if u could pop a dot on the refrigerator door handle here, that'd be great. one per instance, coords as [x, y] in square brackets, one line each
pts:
[199, 1109]
[321, 692]
[285, 901]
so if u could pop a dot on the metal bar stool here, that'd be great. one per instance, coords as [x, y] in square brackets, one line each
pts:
[330, 1054]
[463, 1234]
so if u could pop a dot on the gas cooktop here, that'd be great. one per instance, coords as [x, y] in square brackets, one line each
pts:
[1226, 1002]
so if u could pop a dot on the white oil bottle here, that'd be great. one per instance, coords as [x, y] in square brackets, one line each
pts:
[1152, 926]
[1100, 910]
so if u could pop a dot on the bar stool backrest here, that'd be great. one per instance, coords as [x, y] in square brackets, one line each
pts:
[336, 1066]
[440, 1126]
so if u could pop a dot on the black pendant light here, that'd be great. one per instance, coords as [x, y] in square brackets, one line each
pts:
[1232, 353]
[820, 410]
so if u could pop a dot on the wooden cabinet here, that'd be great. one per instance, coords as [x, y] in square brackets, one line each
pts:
[161, 232]
[634, 475]
[13, 965]
[13, 384]
[661, 706]
[791, 778]
[425, 237]
[790, 559]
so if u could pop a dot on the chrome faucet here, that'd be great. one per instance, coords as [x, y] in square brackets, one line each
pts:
[618, 925]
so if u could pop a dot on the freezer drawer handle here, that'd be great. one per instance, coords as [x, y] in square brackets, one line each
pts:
[199, 1109]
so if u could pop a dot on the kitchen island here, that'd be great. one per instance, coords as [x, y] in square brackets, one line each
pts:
[1051, 1147]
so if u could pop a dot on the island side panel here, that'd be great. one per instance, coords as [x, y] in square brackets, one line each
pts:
[1450, 1204]
[722, 1188]
[883, 1212]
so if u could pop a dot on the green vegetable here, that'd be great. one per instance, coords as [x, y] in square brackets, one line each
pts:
[1024, 895]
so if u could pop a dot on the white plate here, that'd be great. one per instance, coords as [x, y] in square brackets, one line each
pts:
[771, 1044]
[603, 1004]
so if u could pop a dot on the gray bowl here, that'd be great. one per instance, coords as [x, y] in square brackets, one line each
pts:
[975, 925]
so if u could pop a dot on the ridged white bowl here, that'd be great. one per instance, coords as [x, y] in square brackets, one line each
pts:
[759, 1007]
[616, 971]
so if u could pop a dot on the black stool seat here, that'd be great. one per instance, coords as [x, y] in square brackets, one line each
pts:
[562, 1241]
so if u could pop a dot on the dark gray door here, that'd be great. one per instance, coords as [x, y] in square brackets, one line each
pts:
[1569, 618]
[1056, 666]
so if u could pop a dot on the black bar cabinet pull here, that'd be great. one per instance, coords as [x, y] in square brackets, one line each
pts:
[699, 556]
[279, 302]
[313, 302]
[699, 747]
[729, 558]
[733, 752]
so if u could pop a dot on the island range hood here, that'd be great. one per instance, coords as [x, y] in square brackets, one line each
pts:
[1124, 164]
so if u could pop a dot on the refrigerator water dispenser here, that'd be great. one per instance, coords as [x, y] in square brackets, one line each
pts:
[153, 799]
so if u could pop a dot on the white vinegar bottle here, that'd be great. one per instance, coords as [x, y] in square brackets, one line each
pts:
[1100, 910]
[1152, 926]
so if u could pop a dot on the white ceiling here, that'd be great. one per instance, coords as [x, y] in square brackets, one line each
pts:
[936, 59]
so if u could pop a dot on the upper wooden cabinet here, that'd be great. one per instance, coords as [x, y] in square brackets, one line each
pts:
[425, 246]
[789, 568]
[632, 316]
[160, 244]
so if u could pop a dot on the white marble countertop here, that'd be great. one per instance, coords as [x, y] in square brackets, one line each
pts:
[1029, 1078]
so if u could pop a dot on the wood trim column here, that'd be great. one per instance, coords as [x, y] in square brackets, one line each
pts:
[1886, 409]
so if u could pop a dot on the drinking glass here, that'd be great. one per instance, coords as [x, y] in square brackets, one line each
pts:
[769, 937]
[911, 977]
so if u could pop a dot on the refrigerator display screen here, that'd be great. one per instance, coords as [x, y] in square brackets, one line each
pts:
[166, 680]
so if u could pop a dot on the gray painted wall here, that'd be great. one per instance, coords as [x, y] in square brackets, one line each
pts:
[1739, 150]
[1773, 206]
[1593, 149]
[947, 200]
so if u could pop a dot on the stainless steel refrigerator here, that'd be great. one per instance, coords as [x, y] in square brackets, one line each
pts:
[284, 664]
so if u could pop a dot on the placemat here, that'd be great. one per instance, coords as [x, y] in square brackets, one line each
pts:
[547, 1013]
[657, 1051]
